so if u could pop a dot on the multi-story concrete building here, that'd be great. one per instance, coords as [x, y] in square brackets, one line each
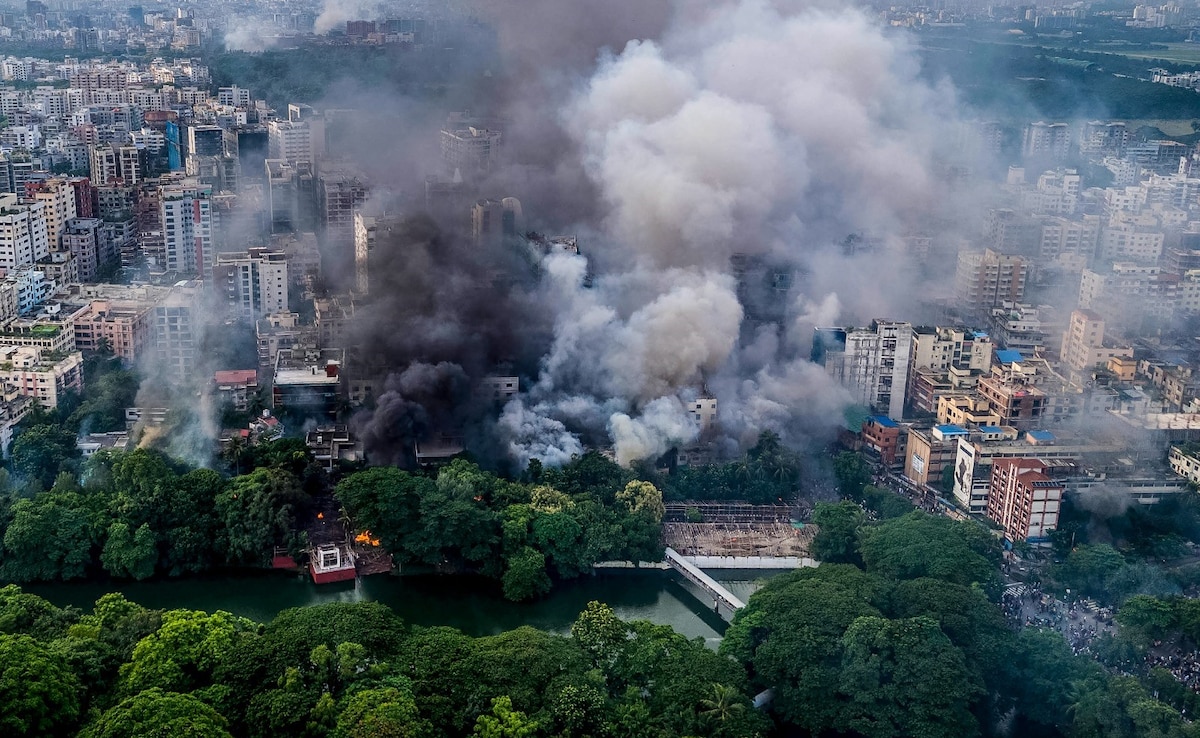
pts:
[281, 331]
[884, 438]
[187, 227]
[1083, 345]
[1130, 242]
[308, 382]
[85, 240]
[124, 326]
[1185, 461]
[23, 235]
[178, 325]
[986, 279]
[929, 452]
[296, 141]
[1099, 139]
[872, 363]
[469, 150]
[492, 221]
[945, 361]
[42, 375]
[332, 318]
[281, 195]
[1023, 500]
[252, 283]
[368, 230]
[1070, 241]
[966, 411]
[978, 451]
[58, 198]
[341, 191]
[1047, 141]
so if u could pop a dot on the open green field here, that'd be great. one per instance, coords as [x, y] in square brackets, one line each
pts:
[1178, 53]
[1171, 127]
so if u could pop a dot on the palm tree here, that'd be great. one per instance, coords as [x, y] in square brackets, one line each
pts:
[722, 703]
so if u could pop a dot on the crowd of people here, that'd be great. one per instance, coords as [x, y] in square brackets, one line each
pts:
[1184, 665]
[1079, 622]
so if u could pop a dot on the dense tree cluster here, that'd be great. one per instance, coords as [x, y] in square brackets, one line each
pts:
[769, 473]
[904, 639]
[349, 670]
[556, 526]
[139, 513]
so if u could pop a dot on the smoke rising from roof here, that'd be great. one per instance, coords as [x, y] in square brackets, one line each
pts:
[713, 168]
[751, 128]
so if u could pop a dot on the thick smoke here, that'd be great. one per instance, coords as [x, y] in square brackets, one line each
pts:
[755, 133]
[715, 170]
[410, 408]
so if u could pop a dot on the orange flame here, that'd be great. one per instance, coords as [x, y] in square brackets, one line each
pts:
[365, 537]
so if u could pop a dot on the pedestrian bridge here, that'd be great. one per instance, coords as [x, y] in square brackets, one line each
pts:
[725, 603]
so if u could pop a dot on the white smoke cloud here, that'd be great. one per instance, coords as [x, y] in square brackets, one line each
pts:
[750, 127]
[532, 435]
[335, 13]
[662, 424]
[247, 38]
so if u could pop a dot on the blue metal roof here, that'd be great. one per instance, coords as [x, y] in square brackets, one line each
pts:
[1041, 435]
[951, 430]
[1008, 356]
[885, 421]
[990, 429]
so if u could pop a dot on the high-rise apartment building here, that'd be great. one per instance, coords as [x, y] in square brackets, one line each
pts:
[872, 363]
[986, 279]
[58, 197]
[470, 150]
[494, 220]
[23, 236]
[253, 283]
[341, 192]
[296, 141]
[84, 239]
[187, 227]
[1047, 141]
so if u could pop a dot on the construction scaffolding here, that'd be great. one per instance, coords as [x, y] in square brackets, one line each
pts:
[730, 512]
[739, 539]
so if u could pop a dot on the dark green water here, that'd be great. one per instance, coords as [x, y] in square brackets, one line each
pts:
[473, 605]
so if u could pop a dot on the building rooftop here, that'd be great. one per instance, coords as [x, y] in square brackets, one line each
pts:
[1008, 356]
[885, 421]
[236, 376]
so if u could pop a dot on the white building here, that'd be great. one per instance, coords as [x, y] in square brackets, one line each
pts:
[872, 363]
[296, 141]
[187, 222]
[23, 235]
[252, 283]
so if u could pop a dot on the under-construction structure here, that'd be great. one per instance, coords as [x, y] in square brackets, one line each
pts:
[736, 529]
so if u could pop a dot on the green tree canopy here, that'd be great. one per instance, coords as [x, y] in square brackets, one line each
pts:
[923, 545]
[184, 652]
[155, 713]
[836, 541]
[40, 452]
[37, 689]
